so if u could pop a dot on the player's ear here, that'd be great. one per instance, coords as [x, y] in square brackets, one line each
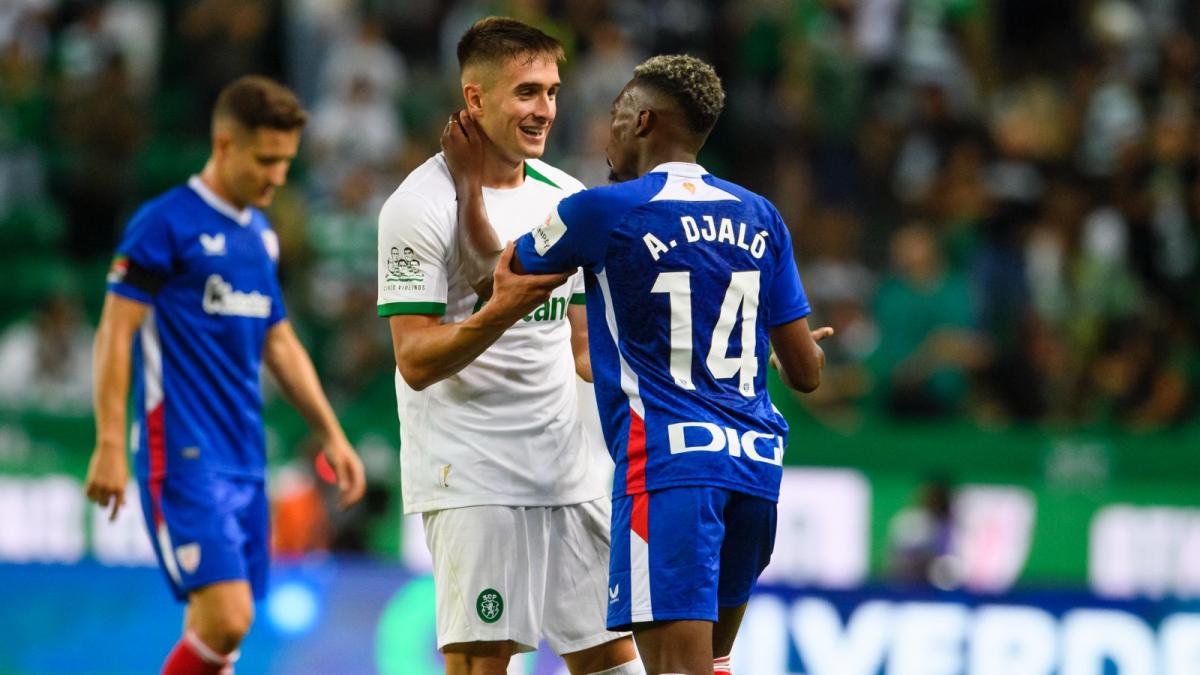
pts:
[646, 119]
[473, 97]
[222, 140]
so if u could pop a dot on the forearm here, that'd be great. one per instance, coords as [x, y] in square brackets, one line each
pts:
[438, 351]
[293, 370]
[110, 374]
[478, 244]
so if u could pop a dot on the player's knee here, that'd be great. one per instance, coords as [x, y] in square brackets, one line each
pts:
[224, 632]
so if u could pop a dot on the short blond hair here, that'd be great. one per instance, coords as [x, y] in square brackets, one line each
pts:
[692, 83]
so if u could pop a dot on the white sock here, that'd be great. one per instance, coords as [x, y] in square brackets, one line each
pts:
[723, 665]
[634, 667]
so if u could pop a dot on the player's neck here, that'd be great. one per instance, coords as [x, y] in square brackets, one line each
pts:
[657, 157]
[209, 177]
[500, 172]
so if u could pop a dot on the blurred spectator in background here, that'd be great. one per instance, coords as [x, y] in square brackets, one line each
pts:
[928, 349]
[47, 359]
[1138, 378]
[222, 40]
[101, 126]
[920, 540]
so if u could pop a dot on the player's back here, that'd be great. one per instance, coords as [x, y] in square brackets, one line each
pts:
[687, 273]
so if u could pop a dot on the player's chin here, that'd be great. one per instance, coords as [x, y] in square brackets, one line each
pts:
[263, 199]
[532, 146]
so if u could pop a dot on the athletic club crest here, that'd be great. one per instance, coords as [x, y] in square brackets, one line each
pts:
[188, 556]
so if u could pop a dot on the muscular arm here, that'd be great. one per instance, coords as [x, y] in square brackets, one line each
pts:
[478, 245]
[108, 469]
[428, 351]
[798, 357]
[577, 316]
[292, 368]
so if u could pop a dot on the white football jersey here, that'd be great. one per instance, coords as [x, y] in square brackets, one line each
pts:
[505, 429]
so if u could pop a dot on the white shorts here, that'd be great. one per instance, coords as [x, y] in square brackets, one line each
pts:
[521, 573]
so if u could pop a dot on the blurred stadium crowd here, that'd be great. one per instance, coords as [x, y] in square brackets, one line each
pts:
[996, 204]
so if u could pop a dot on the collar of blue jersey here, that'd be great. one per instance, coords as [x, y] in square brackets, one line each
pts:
[223, 207]
[680, 169]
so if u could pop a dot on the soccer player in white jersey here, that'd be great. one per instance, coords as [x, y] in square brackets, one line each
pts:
[689, 277]
[493, 453]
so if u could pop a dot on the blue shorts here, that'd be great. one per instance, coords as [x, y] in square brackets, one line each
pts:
[208, 528]
[682, 553]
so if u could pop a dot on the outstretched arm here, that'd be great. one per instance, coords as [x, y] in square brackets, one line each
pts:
[108, 468]
[478, 245]
[289, 363]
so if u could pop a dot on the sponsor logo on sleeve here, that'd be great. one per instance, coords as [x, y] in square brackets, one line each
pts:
[548, 233]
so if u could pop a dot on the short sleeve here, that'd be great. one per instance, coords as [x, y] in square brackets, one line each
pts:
[575, 234]
[578, 293]
[413, 255]
[144, 258]
[786, 300]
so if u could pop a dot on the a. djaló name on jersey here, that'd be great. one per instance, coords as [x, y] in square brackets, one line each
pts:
[711, 231]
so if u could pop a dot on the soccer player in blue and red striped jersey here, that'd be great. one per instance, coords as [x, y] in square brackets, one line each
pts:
[193, 310]
[690, 281]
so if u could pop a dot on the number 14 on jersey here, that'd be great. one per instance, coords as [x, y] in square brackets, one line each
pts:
[741, 296]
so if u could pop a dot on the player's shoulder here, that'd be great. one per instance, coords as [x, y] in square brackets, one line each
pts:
[424, 196]
[175, 200]
[742, 193]
[764, 208]
[615, 200]
[430, 182]
[552, 176]
[170, 209]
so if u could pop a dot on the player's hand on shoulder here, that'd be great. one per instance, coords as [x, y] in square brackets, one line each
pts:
[462, 144]
[346, 465]
[107, 475]
[516, 295]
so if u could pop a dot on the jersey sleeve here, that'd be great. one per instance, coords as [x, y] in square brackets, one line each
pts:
[786, 300]
[575, 234]
[278, 309]
[413, 257]
[578, 293]
[144, 258]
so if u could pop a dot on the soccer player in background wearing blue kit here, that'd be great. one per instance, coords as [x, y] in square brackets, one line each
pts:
[688, 278]
[193, 295]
